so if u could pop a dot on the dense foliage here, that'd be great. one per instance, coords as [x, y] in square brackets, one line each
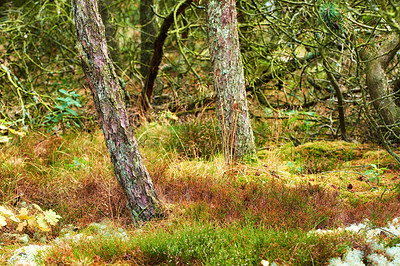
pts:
[297, 56]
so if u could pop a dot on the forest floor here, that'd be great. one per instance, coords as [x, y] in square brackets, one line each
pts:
[276, 210]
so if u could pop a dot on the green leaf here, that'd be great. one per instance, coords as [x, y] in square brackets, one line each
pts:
[374, 179]
[76, 103]
[62, 99]
[64, 92]
[72, 112]
[370, 172]
[61, 107]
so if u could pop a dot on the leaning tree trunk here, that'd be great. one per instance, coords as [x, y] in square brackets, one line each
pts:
[131, 173]
[339, 96]
[377, 81]
[229, 82]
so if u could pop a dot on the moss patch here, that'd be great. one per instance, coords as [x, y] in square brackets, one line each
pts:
[320, 156]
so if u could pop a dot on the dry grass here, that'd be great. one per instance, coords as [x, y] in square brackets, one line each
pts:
[72, 174]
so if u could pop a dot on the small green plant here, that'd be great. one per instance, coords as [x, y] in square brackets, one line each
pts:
[294, 168]
[34, 218]
[78, 163]
[332, 17]
[375, 173]
[64, 112]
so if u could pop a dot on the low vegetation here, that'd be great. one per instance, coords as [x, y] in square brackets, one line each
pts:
[213, 214]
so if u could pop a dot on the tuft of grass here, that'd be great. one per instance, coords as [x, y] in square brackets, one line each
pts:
[92, 249]
[196, 138]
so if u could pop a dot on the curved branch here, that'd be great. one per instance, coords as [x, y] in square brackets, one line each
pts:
[148, 89]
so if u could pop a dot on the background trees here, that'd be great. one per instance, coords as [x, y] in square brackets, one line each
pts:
[303, 61]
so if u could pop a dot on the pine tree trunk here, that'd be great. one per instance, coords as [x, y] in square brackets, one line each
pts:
[130, 171]
[158, 52]
[229, 82]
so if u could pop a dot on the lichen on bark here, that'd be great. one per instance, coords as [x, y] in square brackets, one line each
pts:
[229, 82]
[100, 74]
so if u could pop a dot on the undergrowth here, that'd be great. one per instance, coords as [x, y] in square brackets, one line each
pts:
[205, 244]
[192, 139]
[214, 214]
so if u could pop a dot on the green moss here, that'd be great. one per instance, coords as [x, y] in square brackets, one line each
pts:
[319, 156]
[381, 158]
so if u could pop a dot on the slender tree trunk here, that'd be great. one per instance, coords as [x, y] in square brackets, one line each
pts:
[229, 82]
[339, 96]
[147, 35]
[377, 82]
[148, 90]
[131, 173]
[110, 29]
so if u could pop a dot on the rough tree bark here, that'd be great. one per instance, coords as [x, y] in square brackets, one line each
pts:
[130, 171]
[229, 82]
[377, 82]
